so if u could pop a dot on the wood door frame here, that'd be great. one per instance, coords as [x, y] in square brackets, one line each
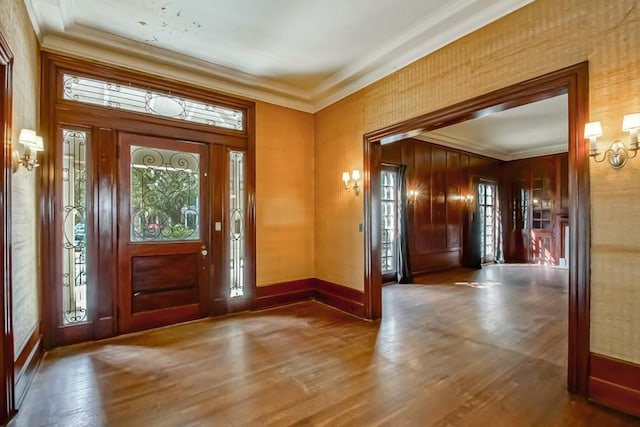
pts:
[7, 365]
[57, 112]
[574, 81]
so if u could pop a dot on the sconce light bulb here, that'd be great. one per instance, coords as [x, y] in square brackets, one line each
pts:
[345, 177]
[355, 174]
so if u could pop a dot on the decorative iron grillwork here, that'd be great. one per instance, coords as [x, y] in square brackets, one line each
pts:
[74, 226]
[165, 190]
[137, 100]
[236, 223]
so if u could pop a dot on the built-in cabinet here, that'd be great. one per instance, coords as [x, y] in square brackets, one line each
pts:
[537, 198]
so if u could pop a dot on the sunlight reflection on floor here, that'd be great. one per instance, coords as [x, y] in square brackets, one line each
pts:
[479, 285]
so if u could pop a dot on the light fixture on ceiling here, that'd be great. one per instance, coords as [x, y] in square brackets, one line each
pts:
[352, 181]
[618, 153]
[32, 143]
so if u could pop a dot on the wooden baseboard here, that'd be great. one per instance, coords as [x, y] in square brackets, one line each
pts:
[26, 364]
[342, 297]
[615, 383]
[284, 293]
[338, 296]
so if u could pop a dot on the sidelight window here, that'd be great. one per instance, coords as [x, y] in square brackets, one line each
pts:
[74, 226]
[237, 222]
[138, 100]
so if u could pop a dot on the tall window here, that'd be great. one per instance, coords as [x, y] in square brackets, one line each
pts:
[236, 223]
[389, 192]
[74, 226]
[487, 201]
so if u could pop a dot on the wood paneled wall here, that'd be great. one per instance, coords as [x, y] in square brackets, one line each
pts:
[439, 217]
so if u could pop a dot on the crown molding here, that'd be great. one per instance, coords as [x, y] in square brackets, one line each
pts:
[463, 145]
[542, 151]
[170, 65]
[59, 33]
[34, 18]
[475, 148]
[456, 22]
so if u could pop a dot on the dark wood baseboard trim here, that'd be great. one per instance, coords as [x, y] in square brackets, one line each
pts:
[105, 327]
[341, 297]
[284, 293]
[338, 296]
[26, 364]
[615, 383]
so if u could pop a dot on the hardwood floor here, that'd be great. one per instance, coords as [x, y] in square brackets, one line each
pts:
[491, 353]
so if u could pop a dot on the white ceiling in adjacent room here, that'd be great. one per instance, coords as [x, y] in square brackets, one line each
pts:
[530, 130]
[311, 53]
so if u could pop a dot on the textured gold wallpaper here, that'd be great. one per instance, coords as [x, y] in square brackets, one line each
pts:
[542, 37]
[16, 29]
[284, 194]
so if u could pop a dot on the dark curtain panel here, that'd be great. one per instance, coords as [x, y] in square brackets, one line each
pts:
[403, 267]
[474, 241]
[499, 243]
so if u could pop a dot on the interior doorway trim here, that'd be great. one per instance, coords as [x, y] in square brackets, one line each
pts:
[573, 81]
[7, 400]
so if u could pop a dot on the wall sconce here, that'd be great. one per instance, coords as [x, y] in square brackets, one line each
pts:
[412, 196]
[32, 143]
[467, 199]
[352, 182]
[617, 153]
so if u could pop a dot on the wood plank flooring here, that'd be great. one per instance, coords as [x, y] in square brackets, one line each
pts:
[489, 351]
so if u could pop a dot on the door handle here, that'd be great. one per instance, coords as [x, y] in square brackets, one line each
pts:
[204, 251]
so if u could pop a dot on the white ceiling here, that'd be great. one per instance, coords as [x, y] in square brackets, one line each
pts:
[300, 53]
[531, 130]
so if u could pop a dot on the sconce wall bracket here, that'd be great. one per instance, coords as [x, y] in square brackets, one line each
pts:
[352, 181]
[32, 144]
[617, 154]
[29, 160]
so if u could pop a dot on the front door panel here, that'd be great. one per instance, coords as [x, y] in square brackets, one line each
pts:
[163, 231]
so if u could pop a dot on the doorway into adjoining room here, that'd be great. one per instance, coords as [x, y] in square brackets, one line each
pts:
[517, 214]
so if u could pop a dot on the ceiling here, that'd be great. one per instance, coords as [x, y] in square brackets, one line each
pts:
[300, 53]
[531, 130]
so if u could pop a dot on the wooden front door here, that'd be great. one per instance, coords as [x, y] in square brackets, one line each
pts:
[163, 231]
